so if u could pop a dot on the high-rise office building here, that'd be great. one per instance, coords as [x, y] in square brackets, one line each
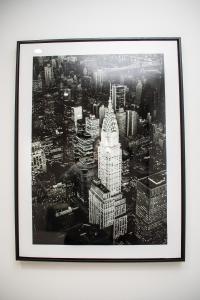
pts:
[48, 74]
[138, 92]
[68, 128]
[80, 126]
[95, 109]
[107, 207]
[38, 158]
[121, 121]
[77, 114]
[49, 105]
[159, 135]
[37, 84]
[101, 114]
[92, 126]
[82, 186]
[151, 209]
[99, 77]
[118, 95]
[68, 147]
[54, 62]
[83, 146]
[131, 122]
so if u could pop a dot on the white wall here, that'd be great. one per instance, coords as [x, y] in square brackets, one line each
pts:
[43, 19]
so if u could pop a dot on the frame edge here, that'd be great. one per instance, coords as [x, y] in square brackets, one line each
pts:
[16, 151]
[182, 143]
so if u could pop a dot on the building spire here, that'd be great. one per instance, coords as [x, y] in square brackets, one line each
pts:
[110, 109]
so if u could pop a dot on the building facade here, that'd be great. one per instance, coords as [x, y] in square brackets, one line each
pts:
[121, 121]
[107, 206]
[101, 114]
[138, 92]
[37, 84]
[99, 77]
[77, 114]
[151, 209]
[38, 158]
[92, 126]
[95, 109]
[83, 146]
[48, 75]
[131, 122]
[118, 95]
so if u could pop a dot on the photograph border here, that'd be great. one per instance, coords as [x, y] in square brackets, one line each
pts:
[182, 149]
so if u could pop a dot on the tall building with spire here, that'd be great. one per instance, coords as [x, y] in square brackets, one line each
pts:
[107, 207]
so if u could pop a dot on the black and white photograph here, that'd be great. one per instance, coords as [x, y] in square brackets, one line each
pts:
[100, 150]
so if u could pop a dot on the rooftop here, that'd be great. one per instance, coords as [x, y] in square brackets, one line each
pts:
[97, 183]
[84, 135]
[154, 180]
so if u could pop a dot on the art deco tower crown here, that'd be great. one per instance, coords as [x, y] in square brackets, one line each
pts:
[110, 131]
[110, 153]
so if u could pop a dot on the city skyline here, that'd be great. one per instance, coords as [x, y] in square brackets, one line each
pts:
[99, 150]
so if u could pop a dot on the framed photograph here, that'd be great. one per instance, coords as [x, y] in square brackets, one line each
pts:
[99, 150]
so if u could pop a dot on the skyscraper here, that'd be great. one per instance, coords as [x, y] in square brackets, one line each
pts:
[151, 209]
[77, 114]
[138, 92]
[92, 126]
[131, 122]
[69, 129]
[48, 74]
[95, 109]
[83, 146]
[107, 207]
[98, 76]
[37, 84]
[101, 114]
[54, 62]
[118, 94]
[121, 121]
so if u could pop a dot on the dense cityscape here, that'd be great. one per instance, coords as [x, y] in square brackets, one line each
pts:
[99, 150]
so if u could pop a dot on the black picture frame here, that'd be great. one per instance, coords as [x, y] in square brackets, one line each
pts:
[21, 257]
